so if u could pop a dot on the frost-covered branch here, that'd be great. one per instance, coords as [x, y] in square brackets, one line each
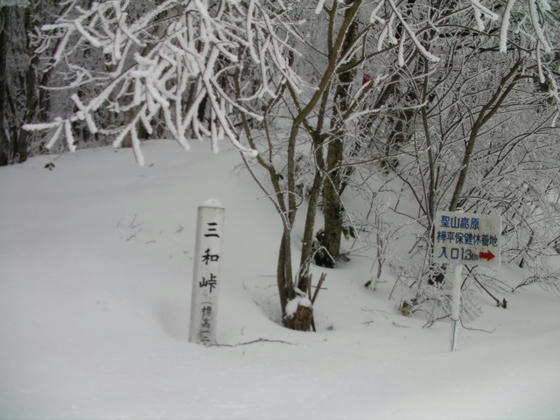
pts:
[168, 62]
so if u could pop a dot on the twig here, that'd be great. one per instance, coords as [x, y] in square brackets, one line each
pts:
[132, 225]
[477, 329]
[318, 288]
[133, 235]
[258, 340]
[393, 288]
[433, 321]
[484, 288]
[310, 299]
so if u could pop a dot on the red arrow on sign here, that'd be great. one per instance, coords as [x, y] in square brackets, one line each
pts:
[486, 255]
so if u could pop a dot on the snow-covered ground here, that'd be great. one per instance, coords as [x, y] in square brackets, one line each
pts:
[95, 281]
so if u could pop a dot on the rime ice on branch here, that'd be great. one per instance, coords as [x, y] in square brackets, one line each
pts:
[166, 62]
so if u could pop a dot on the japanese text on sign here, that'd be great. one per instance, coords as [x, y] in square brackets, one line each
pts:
[461, 238]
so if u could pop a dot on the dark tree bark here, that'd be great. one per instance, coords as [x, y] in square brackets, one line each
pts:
[4, 140]
[332, 205]
[307, 242]
[19, 96]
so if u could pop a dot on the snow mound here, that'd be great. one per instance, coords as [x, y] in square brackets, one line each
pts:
[96, 260]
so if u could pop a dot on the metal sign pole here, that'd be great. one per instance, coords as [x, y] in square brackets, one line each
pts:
[456, 305]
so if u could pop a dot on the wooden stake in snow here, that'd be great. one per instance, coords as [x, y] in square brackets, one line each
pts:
[206, 272]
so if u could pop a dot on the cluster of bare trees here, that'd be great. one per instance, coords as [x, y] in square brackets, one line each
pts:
[456, 111]
[410, 106]
[19, 95]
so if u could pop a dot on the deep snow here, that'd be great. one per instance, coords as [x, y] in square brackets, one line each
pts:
[95, 280]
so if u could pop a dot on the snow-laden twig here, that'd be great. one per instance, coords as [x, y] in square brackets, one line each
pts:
[505, 25]
[537, 26]
[401, 60]
[374, 17]
[484, 10]
[319, 7]
[163, 64]
[428, 55]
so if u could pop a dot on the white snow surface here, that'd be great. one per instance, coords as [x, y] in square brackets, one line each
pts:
[212, 202]
[95, 281]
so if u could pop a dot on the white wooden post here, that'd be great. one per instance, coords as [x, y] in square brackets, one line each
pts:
[456, 305]
[206, 272]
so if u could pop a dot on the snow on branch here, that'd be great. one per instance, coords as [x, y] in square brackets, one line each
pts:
[505, 25]
[531, 19]
[480, 11]
[410, 32]
[166, 63]
[320, 5]
[374, 17]
[535, 20]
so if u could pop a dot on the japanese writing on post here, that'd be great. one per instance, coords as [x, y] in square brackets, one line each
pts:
[461, 238]
[205, 332]
[209, 277]
[206, 274]
[211, 230]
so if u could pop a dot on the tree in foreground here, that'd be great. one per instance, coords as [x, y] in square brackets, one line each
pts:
[203, 67]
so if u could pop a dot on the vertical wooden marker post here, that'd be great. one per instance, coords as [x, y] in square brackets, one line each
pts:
[206, 272]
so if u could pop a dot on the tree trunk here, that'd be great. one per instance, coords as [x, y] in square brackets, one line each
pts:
[18, 85]
[4, 140]
[31, 93]
[332, 204]
[284, 272]
[307, 243]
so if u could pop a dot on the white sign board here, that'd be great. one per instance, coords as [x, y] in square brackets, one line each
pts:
[206, 273]
[467, 238]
